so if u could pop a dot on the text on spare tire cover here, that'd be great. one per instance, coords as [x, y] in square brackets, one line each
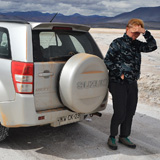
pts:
[92, 84]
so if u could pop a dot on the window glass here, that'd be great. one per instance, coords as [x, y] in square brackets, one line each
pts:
[77, 44]
[4, 44]
[48, 39]
[61, 45]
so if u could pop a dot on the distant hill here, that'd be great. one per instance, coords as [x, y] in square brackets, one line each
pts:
[150, 15]
[46, 17]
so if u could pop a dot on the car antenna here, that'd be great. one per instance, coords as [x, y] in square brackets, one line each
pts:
[53, 17]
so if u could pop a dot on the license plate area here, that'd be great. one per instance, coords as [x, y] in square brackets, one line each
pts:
[71, 118]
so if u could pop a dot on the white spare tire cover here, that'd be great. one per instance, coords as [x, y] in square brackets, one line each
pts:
[83, 83]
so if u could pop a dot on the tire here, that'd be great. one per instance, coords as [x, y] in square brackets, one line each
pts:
[3, 133]
[83, 83]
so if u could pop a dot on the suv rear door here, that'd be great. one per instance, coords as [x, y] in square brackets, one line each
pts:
[52, 47]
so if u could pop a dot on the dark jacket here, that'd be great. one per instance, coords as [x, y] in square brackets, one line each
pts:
[124, 57]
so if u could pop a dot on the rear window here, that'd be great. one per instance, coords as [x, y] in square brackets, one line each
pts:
[61, 45]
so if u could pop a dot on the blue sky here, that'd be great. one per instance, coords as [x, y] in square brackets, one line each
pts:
[84, 7]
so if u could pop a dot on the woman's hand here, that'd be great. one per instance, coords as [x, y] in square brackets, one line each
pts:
[122, 76]
[137, 28]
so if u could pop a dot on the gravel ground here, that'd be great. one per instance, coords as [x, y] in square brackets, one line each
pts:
[85, 140]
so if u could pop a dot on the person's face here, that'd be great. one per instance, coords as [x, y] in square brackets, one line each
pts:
[132, 33]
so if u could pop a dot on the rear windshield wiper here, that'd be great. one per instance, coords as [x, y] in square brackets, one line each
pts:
[60, 58]
[64, 57]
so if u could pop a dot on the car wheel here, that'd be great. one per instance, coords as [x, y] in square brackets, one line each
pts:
[3, 132]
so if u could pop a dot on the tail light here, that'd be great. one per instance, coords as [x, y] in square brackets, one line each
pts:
[22, 74]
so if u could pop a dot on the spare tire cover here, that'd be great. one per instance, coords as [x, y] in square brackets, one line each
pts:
[83, 83]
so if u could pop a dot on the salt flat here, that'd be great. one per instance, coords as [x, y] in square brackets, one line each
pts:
[87, 140]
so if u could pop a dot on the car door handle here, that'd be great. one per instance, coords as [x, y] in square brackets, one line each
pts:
[45, 74]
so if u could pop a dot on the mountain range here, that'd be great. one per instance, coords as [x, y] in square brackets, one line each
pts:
[150, 15]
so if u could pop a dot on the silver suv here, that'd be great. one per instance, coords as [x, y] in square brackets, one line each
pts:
[51, 73]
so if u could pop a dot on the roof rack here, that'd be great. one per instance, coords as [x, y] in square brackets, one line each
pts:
[14, 21]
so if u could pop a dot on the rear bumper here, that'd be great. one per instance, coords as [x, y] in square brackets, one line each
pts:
[22, 113]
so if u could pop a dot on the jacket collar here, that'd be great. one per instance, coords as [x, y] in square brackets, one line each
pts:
[127, 38]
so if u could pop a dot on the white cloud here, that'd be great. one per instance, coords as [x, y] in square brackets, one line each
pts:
[84, 7]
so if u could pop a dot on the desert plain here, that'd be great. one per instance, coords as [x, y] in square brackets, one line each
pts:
[87, 140]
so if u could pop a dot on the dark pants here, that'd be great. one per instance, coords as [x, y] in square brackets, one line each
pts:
[125, 98]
